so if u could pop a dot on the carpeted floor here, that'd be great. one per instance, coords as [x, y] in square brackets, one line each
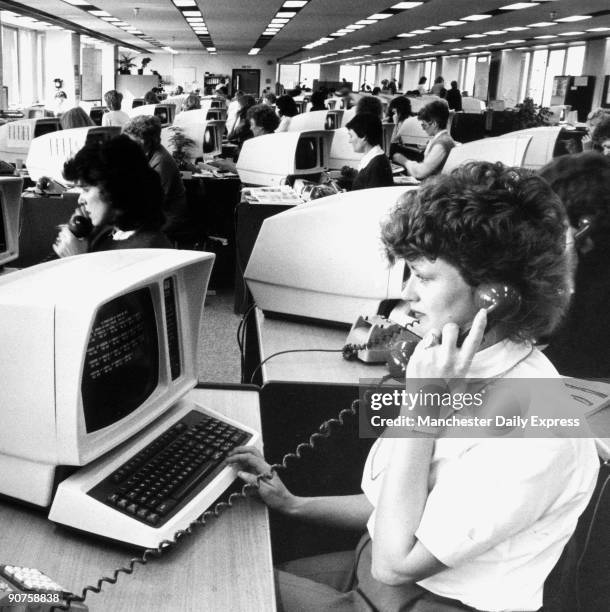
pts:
[218, 358]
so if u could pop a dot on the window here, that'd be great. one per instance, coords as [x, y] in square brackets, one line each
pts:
[289, 75]
[536, 76]
[575, 60]
[368, 74]
[309, 73]
[554, 68]
[468, 81]
[10, 64]
[351, 74]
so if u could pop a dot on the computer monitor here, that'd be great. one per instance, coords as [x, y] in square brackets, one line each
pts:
[216, 114]
[324, 260]
[16, 136]
[269, 160]
[313, 120]
[206, 135]
[109, 339]
[165, 112]
[341, 151]
[49, 152]
[334, 119]
[548, 142]
[10, 205]
[509, 150]
[214, 101]
[96, 113]
[138, 102]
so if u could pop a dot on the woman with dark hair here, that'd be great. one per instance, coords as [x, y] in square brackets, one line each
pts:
[114, 116]
[146, 131]
[240, 131]
[317, 100]
[421, 85]
[74, 118]
[601, 136]
[286, 108]
[370, 104]
[150, 97]
[433, 118]
[581, 345]
[366, 136]
[121, 195]
[399, 109]
[456, 521]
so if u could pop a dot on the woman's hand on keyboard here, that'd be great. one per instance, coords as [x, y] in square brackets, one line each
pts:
[251, 465]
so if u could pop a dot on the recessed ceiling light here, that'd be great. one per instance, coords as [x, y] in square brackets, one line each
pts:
[542, 24]
[191, 13]
[354, 27]
[474, 36]
[573, 18]
[518, 6]
[110, 19]
[495, 32]
[380, 16]
[211, 48]
[294, 3]
[420, 32]
[100, 13]
[452, 40]
[475, 17]
[282, 21]
[598, 29]
[515, 41]
[194, 19]
[456, 49]
[406, 5]
[184, 3]
[547, 36]
[406, 35]
[570, 33]
[366, 21]
[431, 28]
[516, 29]
[77, 2]
[253, 51]
[390, 51]
[449, 24]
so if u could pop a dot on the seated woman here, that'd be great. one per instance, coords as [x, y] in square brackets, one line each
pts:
[151, 97]
[455, 523]
[433, 117]
[286, 109]
[146, 131]
[399, 109]
[121, 195]
[318, 100]
[581, 345]
[262, 120]
[366, 136]
[114, 116]
[74, 118]
[240, 130]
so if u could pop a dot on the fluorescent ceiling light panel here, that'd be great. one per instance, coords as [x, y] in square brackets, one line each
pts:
[253, 51]
[546, 36]
[515, 41]
[294, 3]
[452, 40]
[184, 3]
[286, 14]
[406, 35]
[474, 36]
[380, 16]
[354, 27]
[366, 21]
[191, 13]
[77, 2]
[449, 24]
[542, 24]
[475, 17]
[100, 13]
[420, 32]
[598, 29]
[404, 6]
[518, 6]
[516, 29]
[570, 33]
[495, 32]
[431, 28]
[573, 18]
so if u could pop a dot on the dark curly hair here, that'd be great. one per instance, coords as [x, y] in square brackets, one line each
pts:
[582, 182]
[369, 104]
[494, 224]
[264, 116]
[437, 110]
[601, 132]
[118, 167]
[367, 125]
[402, 106]
[286, 106]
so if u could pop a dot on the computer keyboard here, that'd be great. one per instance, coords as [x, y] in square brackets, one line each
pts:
[146, 494]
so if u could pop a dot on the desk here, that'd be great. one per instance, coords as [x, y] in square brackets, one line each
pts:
[223, 566]
[298, 392]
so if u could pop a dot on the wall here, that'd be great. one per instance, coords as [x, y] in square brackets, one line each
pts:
[171, 66]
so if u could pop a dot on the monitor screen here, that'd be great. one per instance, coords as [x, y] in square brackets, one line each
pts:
[96, 114]
[45, 127]
[161, 112]
[306, 155]
[209, 140]
[99, 135]
[332, 122]
[121, 367]
[138, 102]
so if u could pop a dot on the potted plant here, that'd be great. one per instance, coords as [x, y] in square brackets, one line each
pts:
[182, 148]
[126, 63]
[528, 115]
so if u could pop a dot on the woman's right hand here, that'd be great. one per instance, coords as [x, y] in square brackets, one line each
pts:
[67, 244]
[250, 463]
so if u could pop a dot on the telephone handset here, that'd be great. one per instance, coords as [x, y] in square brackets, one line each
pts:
[499, 299]
[80, 225]
[47, 186]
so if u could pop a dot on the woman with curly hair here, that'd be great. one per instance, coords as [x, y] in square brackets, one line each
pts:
[455, 523]
[121, 195]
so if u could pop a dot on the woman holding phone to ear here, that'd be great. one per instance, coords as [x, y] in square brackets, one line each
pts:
[456, 523]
